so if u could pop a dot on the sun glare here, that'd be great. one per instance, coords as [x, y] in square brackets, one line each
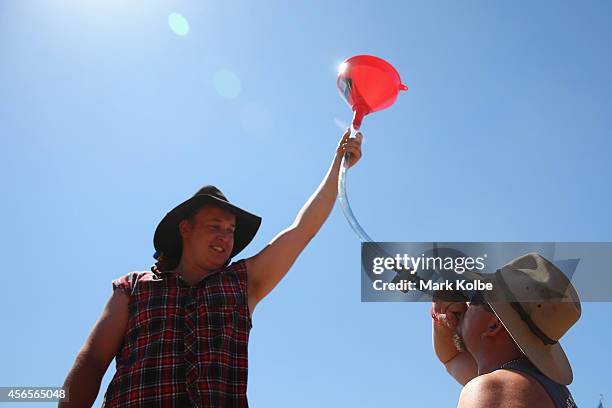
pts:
[178, 24]
[227, 84]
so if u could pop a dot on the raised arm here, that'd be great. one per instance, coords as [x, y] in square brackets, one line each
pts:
[459, 364]
[270, 265]
[83, 380]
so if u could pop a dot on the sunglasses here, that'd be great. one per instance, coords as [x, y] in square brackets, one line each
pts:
[476, 299]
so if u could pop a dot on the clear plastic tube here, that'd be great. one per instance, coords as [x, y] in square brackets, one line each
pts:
[344, 201]
[350, 217]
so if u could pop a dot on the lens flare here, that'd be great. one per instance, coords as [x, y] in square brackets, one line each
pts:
[178, 24]
[227, 84]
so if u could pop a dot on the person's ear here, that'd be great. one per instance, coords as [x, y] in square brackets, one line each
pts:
[494, 327]
[184, 228]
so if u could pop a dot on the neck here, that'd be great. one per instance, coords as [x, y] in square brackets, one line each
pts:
[489, 362]
[190, 271]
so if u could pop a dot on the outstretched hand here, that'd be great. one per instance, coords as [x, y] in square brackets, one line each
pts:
[349, 145]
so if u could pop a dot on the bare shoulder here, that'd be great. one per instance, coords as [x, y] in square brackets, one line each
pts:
[107, 335]
[504, 389]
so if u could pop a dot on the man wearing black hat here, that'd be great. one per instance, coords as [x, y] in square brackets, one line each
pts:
[180, 332]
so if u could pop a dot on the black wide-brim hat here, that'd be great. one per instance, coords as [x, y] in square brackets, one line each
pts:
[167, 239]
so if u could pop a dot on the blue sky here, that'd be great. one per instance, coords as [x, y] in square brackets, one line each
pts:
[108, 118]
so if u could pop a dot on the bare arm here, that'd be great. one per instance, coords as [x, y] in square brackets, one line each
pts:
[459, 364]
[83, 380]
[270, 265]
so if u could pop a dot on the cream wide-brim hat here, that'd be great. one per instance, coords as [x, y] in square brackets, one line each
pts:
[547, 298]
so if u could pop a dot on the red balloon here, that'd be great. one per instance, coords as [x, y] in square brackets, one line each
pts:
[368, 84]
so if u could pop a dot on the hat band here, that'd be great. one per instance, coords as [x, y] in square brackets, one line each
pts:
[523, 314]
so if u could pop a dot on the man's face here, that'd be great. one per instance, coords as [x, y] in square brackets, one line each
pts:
[473, 325]
[208, 237]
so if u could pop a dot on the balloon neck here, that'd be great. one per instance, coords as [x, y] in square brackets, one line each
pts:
[357, 118]
[403, 87]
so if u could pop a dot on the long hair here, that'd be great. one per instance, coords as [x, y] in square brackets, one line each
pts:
[164, 263]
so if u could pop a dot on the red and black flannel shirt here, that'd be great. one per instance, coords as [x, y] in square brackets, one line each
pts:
[184, 346]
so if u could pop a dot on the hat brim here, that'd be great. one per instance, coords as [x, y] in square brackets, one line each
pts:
[167, 239]
[551, 360]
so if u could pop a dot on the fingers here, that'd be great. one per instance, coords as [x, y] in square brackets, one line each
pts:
[351, 142]
[346, 135]
[352, 148]
[457, 307]
[451, 319]
[449, 313]
[345, 138]
[448, 320]
[441, 306]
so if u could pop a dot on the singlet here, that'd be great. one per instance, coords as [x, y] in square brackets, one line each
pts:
[559, 394]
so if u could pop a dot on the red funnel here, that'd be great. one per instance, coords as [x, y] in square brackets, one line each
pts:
[368, 84]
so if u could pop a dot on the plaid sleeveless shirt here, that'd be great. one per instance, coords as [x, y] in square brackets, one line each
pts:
[184, 346]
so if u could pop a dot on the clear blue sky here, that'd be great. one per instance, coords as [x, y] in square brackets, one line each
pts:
[108, 118]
